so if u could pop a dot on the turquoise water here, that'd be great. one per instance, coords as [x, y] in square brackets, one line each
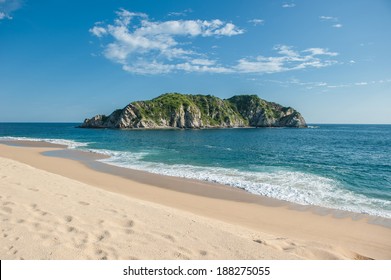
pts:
[345, 167]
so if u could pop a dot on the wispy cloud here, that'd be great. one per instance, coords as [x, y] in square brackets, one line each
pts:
[4, 15]
[256, 21]
[324, 86]
[328, 18]
[331, 19]
[287, 60]
[144, 46]
[361, 84]
[181, 13]
[7, 7]
[288, 5]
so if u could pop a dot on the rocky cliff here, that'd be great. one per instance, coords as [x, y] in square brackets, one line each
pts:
[174, 110]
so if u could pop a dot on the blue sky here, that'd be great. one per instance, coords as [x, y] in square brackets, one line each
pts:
[68, 60]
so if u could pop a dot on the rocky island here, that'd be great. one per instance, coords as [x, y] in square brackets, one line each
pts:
[175, 110]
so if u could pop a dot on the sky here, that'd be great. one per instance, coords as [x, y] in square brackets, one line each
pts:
[66, 60]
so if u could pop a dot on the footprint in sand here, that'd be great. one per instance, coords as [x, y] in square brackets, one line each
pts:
[129, 231]
[68, 219]
[8, 203]
[102, 255]
[203, 253]
[128, 225]
[84, 203]
[71, 229]
[37, 226]
[44, 236]
[168, 237]
[179, 255]
[104, 235]
[79, 238]
[185, 250]
[7, 209]
[14, 252]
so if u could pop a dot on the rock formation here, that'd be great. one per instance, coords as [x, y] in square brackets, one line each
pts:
[175, 110]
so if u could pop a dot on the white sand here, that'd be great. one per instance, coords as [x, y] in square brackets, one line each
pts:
[47, 216]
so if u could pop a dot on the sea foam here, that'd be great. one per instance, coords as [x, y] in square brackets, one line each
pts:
[69, 143]
[293, 186]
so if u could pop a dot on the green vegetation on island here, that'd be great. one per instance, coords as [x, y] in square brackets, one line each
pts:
[175, 110]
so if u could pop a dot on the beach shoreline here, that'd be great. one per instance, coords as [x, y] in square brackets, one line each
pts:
[330, 233]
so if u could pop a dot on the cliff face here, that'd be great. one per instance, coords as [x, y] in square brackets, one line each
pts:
[174, 110]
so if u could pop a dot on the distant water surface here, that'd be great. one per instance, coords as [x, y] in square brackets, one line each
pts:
[345, 167]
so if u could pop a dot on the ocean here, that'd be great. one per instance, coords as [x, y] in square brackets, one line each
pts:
[346, 167]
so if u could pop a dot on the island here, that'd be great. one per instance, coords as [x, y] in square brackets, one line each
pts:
[186, 111]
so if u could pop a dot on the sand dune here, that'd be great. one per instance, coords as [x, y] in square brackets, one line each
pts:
[49, 216]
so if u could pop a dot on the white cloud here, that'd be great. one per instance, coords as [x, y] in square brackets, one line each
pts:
[321, 84]
[200, 61]
[260, 64]
[320, 51]
[144, 46]
[328, 18]
[150, 67]
[149, 47]
[287, 51]
[98, 31]
[331, 19]
[155, 67]
[3, 15]
[288, 5]
[288, 60]
[7, 7]
[180, 14]
[188, 67]
[176, 14]
[324, 86]
[256, 21]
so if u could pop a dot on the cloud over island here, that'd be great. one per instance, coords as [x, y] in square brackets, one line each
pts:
[145, 46]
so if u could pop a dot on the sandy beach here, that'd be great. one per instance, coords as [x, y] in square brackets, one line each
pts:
[61, 208]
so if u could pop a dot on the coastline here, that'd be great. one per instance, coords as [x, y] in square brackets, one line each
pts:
[293, 231]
